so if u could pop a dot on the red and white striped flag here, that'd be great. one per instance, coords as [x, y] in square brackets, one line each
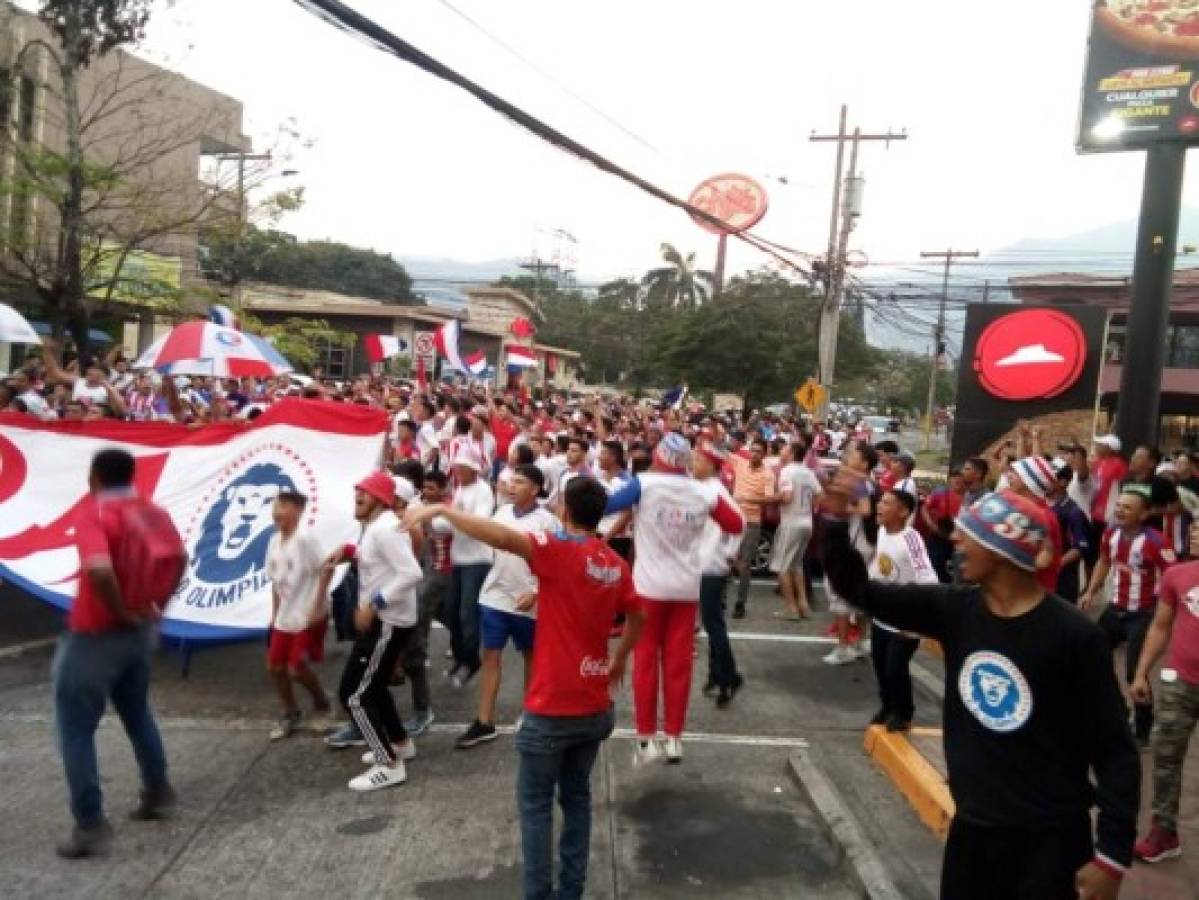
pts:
[380, 347]
[521, 356]
[476, 363]
[446, 339]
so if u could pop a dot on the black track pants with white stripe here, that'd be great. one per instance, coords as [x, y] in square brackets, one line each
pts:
[363, 690]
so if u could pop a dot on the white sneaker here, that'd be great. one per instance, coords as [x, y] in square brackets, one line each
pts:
[647, 750]
[841, 656]
[862, 648]
[378, 777]
[403, 752]
[673, 747]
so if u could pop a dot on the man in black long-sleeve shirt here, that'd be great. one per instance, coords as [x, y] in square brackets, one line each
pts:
[1031, 710]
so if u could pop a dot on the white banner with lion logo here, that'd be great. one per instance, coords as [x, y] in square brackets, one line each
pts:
[219, 484]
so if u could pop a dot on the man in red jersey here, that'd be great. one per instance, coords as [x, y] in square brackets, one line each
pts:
[1176, 626]
[582, 585]
[1135, 556]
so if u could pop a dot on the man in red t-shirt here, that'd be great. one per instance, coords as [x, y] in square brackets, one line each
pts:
[105, 654]
[582, 586]
[1175, 623]
[935, 519]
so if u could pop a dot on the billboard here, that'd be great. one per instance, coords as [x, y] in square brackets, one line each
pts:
[1021, 362]
[1140, 86]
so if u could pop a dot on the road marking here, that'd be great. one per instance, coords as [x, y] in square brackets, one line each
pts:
[782, 638]
[264, 725]
[19, 649]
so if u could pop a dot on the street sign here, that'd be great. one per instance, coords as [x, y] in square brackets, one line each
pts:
[424, 343]
[811, 395]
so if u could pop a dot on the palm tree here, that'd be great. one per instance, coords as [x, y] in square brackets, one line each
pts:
[678, 284]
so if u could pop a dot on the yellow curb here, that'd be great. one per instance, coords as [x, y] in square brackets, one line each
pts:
[916, 778]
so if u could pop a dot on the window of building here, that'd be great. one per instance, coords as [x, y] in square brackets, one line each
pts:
[337, 361]
[5, 98]
[1184, 347]
[26, 107]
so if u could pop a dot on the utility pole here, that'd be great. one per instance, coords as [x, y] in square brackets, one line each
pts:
[838, 241]
[939, 334]
[242, 213]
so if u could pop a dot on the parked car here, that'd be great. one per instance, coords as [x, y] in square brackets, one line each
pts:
[882, 424]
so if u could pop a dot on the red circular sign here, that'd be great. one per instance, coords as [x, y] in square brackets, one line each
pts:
[737, 200]
[1033, 354]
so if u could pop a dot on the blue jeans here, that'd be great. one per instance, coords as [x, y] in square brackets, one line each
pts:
[557, 752]
[462, 613]
[88, 670]
[722, 667]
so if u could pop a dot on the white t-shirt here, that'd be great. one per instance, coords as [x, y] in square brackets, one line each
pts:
[611, 485]
[94, 395]
[551, 468]
[510, 578]
[426, 442]
[802, 486]
[36, 405]
[294, 567]
[477, 500]
[901, 558]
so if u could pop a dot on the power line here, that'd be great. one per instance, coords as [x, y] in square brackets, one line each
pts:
[547, 76]
[348, 20]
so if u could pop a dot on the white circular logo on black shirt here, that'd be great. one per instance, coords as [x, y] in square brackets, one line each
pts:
[995, 691]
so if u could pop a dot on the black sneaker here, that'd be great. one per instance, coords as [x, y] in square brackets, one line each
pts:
[476, 734]
[728, 693]
[880, 717]
[739, 611]
[709, 686]
[85, 842]
[895, 724]
[155, 804]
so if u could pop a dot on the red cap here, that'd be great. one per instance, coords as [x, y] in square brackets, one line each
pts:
[379, 485]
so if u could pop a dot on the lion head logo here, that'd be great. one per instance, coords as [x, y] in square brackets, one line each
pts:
[995, 691]
[238, 527]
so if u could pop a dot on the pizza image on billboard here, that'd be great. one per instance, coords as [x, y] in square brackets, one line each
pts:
[1161, 27]
[1029, 355]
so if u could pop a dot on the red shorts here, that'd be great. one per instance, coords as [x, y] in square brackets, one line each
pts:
[292, 648]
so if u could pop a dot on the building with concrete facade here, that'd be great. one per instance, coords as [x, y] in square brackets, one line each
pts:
[153, 128]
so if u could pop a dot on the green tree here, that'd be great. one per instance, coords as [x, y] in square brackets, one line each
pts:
[275, 257]
[678, 284]
[300, 340]
[758, 340]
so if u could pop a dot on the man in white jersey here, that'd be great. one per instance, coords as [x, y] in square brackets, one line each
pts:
[300, 611]
[672, 509]
[797, 488]
[900, 557]
[505, 605]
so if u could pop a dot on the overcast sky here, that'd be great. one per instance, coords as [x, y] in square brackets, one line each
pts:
[408, 164]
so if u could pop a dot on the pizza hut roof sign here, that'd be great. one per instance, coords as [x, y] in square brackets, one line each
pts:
[737, 200]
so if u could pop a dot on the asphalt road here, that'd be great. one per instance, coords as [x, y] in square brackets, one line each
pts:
[264, 820]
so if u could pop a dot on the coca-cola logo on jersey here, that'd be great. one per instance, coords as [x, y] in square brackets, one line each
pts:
[594, 667]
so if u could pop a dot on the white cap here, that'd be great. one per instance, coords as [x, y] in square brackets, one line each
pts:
[465, 459]
[1167, 468]
[1110, 441]
[405, 489]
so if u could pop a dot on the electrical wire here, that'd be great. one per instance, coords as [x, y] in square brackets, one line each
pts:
[548, 77]
[348, 20]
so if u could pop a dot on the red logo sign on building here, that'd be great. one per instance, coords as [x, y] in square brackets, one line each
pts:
[737, 200]
[1033, 354]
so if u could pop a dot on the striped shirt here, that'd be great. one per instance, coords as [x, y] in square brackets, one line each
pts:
[1137, 563]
